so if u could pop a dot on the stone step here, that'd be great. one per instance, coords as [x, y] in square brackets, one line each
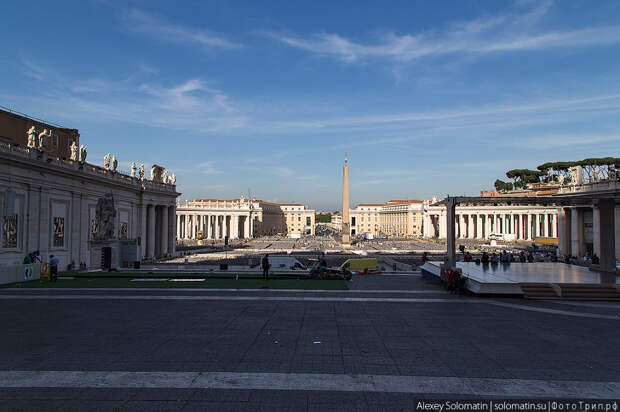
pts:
[590, 291]
[538, 290]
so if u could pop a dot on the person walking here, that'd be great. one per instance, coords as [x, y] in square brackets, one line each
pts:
[53, 268]
[265, 265]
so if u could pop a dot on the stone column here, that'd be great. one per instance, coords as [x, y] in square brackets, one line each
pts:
[217, 227]
[596, 230]
[172, 244]
[576, 236]
[471, 228]
[528, 226]
[479, 234]
[554, 225]
[563, 232]
[431, 227]
[461, 226]
[150, 231]
[246, 227]
[442, 225]
[209, 228]
[163, 231]
[178, 226]
[143, 231]
[224, 226]
[607, 240]
[546, 225]
[234, 227]
[451, 232]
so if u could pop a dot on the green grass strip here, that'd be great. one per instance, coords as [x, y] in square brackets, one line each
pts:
[310, 284]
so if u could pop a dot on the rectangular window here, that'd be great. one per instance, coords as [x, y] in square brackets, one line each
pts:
[9, 230]
[54, 140]
[94, 228]
[59, 232]
[308, 221]
[123, 231]
[362, 219]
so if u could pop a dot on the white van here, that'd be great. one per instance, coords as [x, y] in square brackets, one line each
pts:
[506, 237]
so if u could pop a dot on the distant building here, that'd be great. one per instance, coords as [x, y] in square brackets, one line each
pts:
[241, 218]
[14, 130]
[393, 218]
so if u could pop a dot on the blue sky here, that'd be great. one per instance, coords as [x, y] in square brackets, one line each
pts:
[426, 97]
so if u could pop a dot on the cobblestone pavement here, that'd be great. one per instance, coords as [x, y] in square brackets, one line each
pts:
[384, 344]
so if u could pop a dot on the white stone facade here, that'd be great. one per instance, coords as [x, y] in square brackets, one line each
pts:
[479, 222]
[49, 205]
[241, 219]
[217, 219]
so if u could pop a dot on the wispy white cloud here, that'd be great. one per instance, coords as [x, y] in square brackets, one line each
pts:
[192, 104]
[143, 22]
[33, 70]
[207, 168]
[504, 33]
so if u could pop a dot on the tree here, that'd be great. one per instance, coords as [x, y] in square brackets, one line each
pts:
[522, 177]
[502, 186]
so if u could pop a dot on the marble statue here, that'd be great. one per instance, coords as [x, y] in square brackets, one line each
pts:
[156, 174]
[74, 151]
[164, 178]
[133, 169]
[575, 176]
[32, 138]
[106, 161]
[83, 154]
[141, 172]
[114, 163]
[596, 173]
[173, 179]
[561, 179]
[43, 138]
[105, 214]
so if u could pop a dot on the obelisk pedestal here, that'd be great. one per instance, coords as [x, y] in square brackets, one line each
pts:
[346, 227]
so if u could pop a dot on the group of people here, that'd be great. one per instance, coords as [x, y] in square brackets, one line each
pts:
[506, 257]
[34, 257]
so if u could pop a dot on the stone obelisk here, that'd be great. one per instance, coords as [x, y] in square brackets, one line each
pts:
[346, 228]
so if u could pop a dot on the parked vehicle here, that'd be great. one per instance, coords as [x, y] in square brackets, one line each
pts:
[323, 272]
[359, 266]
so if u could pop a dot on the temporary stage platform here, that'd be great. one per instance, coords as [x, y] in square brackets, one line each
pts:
[532, 279]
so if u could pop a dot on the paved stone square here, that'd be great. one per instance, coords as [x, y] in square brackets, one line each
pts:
[382, 345]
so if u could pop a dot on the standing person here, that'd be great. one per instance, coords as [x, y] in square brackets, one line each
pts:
[485, 258]
[27, 259]
[424, 258]
[265, 265]
[53, 268]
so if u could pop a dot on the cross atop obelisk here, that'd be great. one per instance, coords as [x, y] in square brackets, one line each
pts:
[346, 228]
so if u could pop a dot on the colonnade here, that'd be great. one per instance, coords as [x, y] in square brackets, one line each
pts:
[523, 226]
[157, 230]
[574, 225]
[213, 226]
[480, 225]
